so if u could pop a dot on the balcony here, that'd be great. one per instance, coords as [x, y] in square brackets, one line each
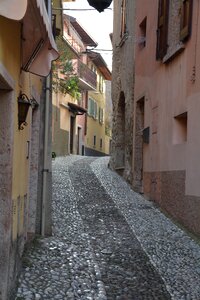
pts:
[87, 78]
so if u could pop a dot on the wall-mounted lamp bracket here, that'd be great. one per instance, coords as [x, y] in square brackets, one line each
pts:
[23, 106]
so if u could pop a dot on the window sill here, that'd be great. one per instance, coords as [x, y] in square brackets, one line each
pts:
[173, 53]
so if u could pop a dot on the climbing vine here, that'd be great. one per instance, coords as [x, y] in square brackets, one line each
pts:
[64, 80]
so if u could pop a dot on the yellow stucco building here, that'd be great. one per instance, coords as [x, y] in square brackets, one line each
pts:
[27, 48]
[97, 137]
[71, 87]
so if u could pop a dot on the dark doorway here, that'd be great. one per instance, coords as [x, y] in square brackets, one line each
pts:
[120, 142]
[79, 140]
[139, 144]
[72, 123]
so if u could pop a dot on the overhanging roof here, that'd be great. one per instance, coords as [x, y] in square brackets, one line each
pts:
[86, 38]
[98, 60]
[38, 45]
[12, 10]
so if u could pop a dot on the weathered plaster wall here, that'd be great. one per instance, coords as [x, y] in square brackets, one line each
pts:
[60, 124]
[170, 88]
[6, 159]
[14, 161]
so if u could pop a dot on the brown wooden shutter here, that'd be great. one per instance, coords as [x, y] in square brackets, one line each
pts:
[186, 19]
[162, 31]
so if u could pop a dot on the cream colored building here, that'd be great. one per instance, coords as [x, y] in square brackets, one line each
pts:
[97, 139]
[69, 110]
[27, 48]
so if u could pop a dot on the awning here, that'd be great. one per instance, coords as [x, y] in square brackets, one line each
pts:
[76, 109]
[12, 9]
[38, 45]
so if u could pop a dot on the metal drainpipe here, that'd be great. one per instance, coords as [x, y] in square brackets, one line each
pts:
[45, 162]
[46, 142]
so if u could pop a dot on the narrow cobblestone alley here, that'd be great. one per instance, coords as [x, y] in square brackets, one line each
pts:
[108, 243]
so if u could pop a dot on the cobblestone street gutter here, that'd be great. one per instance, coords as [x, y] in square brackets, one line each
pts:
[108, 243]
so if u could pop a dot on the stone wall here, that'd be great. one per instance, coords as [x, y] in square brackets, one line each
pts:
[7, 97]
[167, 189]
[122, 91]
[44, 209]
[34, 161]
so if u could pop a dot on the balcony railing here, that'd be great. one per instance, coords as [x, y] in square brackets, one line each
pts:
[87, 78]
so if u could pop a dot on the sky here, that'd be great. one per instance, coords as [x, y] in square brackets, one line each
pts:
[98, 25]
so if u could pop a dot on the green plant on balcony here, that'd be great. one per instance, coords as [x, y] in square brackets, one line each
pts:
[64, 80]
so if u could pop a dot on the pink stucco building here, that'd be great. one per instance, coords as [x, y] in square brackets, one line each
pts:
[166, 164]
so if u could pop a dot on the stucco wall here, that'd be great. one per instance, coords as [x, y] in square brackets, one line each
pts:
[170, 88]
[61, 119]
[14, 154]
[94, 127]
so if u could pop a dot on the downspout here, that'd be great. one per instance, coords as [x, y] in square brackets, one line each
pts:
[47, 160]
[45, 170]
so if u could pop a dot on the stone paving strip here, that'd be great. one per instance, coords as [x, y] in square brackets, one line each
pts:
[108, 243]
[62, 266]
[125, 269]
[173, 253]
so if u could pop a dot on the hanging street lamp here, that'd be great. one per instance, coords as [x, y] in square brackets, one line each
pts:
[100, 5]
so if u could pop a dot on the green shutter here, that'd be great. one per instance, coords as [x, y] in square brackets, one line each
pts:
[89, 107]
[96, 111]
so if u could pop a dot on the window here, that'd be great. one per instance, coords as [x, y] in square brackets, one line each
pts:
[180, 129]
[146, 135]
[101, 83]
[94, 69]
[101, 115]
[143, 30]
[94, 141]
[162, 30]
[174, 27]
[123, 18]
[54, 25]
[186, 19]
[92, 108]
[101, 143]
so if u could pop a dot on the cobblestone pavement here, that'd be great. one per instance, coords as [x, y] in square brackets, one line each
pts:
[108, 243]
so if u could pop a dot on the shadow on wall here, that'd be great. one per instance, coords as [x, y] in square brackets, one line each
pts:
[120, 141]
[60, 140]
